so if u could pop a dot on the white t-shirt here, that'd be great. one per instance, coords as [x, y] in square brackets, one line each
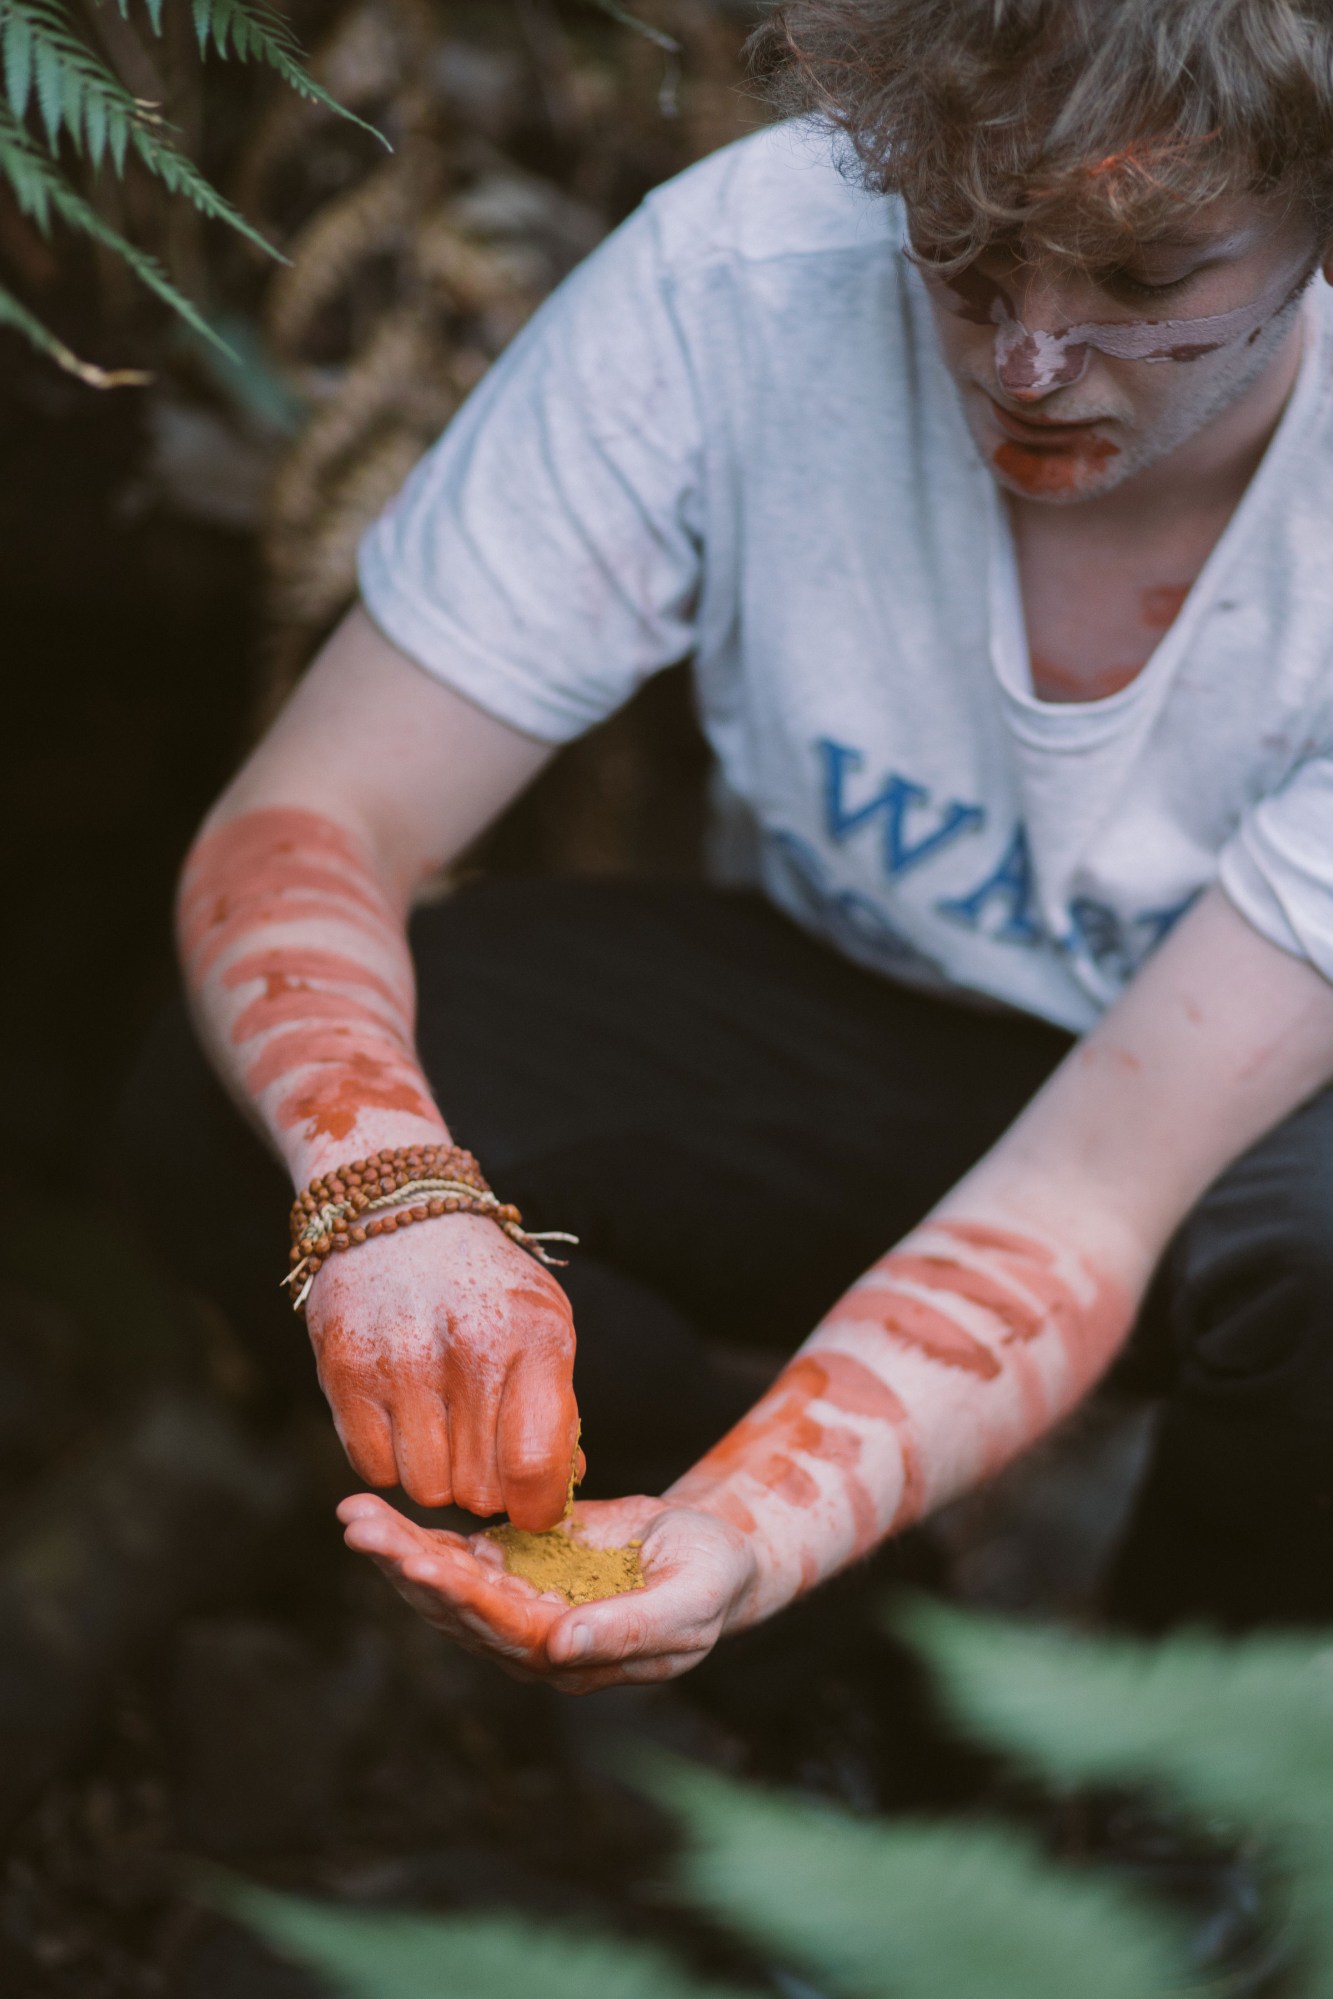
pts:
[731, 436]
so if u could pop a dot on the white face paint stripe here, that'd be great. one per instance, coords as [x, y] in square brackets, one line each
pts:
[1042, 360]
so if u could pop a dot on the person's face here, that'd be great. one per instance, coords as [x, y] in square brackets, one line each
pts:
[1060, 419]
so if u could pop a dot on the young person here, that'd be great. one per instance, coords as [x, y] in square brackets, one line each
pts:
[972, 432]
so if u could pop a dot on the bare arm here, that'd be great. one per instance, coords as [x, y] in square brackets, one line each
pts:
[960, 1346]
[446, 1355]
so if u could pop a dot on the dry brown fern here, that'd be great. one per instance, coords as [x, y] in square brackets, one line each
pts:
[407, 280]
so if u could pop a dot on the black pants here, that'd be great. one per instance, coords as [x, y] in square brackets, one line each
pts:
[735, 1122]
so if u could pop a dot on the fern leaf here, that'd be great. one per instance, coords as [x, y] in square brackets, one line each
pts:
[14, 313]
[1240, 1732]
[16, 45]
[42, 191]
[373, 1955]
[903, 1911]
[179, 175]
[76, 92]
[254, 34]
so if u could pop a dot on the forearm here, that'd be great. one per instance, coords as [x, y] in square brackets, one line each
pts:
[292, 939]
[967, 1341]
[950, 1356]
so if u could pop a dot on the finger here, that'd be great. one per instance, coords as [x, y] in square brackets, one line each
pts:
[473, 1412]
[367, 1437]
[513, 1623]
[421, 1445]
[537, 1437]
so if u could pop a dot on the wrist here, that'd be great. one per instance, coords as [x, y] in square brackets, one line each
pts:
[311, 1156]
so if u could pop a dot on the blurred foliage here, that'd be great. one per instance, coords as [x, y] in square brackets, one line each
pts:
[1239, 1734]
[63, 98]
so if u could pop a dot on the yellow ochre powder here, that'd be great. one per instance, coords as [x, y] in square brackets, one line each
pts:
[556, 1561]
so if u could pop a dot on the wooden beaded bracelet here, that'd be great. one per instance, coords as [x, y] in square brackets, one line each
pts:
[391, 1188]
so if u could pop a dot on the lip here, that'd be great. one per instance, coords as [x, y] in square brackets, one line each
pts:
[1040, 430]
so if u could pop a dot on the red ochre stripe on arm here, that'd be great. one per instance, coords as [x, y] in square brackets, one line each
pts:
[918, 1326]
[253, 912]
[341, 1047]
[297, 961]
[296, 1003]
[242, 845]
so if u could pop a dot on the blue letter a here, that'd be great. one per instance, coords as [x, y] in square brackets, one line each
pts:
[1011, 885]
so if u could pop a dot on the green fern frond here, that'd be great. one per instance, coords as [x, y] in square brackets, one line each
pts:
[78, 94]
[254, 34]
[14, 313]
[43, 194]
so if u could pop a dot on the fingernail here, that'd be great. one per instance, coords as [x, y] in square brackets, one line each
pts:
[580, 1642]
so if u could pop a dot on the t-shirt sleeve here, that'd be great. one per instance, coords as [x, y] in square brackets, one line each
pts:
[544, 557]
[1278, 867]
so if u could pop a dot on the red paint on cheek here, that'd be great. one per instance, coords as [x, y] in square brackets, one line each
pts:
[913, 1324]
[1045, 470]
[295, 962]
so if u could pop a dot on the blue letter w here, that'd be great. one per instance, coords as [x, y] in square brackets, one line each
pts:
[891, 805]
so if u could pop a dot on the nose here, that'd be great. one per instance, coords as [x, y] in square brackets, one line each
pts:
[1033, 353]
[1031, 365]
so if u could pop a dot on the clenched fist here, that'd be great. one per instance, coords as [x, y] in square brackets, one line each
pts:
[447, 1357]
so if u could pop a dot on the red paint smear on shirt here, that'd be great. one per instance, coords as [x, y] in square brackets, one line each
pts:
[1044, 470]
[283, 1003]
[919, 1327]
[334, 1103]
[296, 962]
[306, 1048]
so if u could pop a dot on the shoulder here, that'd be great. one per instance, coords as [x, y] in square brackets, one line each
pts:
[783, 193]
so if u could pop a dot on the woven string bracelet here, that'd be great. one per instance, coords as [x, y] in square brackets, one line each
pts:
[385, 1192]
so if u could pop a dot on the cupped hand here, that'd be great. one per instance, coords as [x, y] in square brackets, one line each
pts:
[698, 1572]
[447, 1356]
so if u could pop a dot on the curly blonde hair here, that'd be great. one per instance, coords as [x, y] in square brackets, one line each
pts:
[1079, 126]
